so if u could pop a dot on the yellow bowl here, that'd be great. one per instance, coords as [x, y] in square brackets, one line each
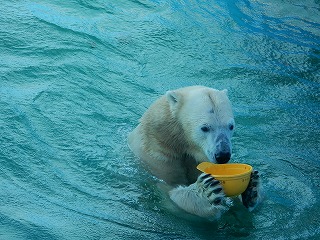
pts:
[234, 177]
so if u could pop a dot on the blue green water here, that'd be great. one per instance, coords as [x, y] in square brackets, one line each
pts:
[77, 75]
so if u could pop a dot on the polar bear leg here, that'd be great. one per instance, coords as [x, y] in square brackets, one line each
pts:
[204, 198]
[252, 196]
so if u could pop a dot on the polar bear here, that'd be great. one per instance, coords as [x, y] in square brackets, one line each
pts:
[181, 129]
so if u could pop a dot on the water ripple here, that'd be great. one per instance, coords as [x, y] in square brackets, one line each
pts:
[77, 75]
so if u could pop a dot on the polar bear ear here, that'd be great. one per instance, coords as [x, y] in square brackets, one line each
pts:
[173, 98]
[225, 91]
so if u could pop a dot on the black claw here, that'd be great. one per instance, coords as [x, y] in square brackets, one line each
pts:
[217, 201]
[205, 176]
[254, 184]
[215, 183]
[217, 190]
[208, 181]
[255, 177]
[255, 172]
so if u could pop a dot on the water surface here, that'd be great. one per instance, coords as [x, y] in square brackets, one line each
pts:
[77, 75]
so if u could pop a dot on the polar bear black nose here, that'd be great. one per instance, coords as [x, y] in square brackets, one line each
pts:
[222, 157]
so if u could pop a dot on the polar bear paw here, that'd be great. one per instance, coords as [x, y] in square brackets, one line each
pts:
[251, 196]
[211, 189]
[204, 198]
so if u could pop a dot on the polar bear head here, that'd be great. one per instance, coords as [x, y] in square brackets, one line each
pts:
[206, 118]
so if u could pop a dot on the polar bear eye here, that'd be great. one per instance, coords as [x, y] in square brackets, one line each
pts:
[205, 129]
[231, 127]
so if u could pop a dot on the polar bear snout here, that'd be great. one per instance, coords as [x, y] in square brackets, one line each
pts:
[223, 149]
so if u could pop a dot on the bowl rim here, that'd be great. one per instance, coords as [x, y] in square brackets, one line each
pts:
[225, 177]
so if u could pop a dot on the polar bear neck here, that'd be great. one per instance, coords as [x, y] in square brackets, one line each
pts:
[165, 133]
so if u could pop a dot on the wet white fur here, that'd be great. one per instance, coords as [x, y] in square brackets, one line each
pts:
[170, 142]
